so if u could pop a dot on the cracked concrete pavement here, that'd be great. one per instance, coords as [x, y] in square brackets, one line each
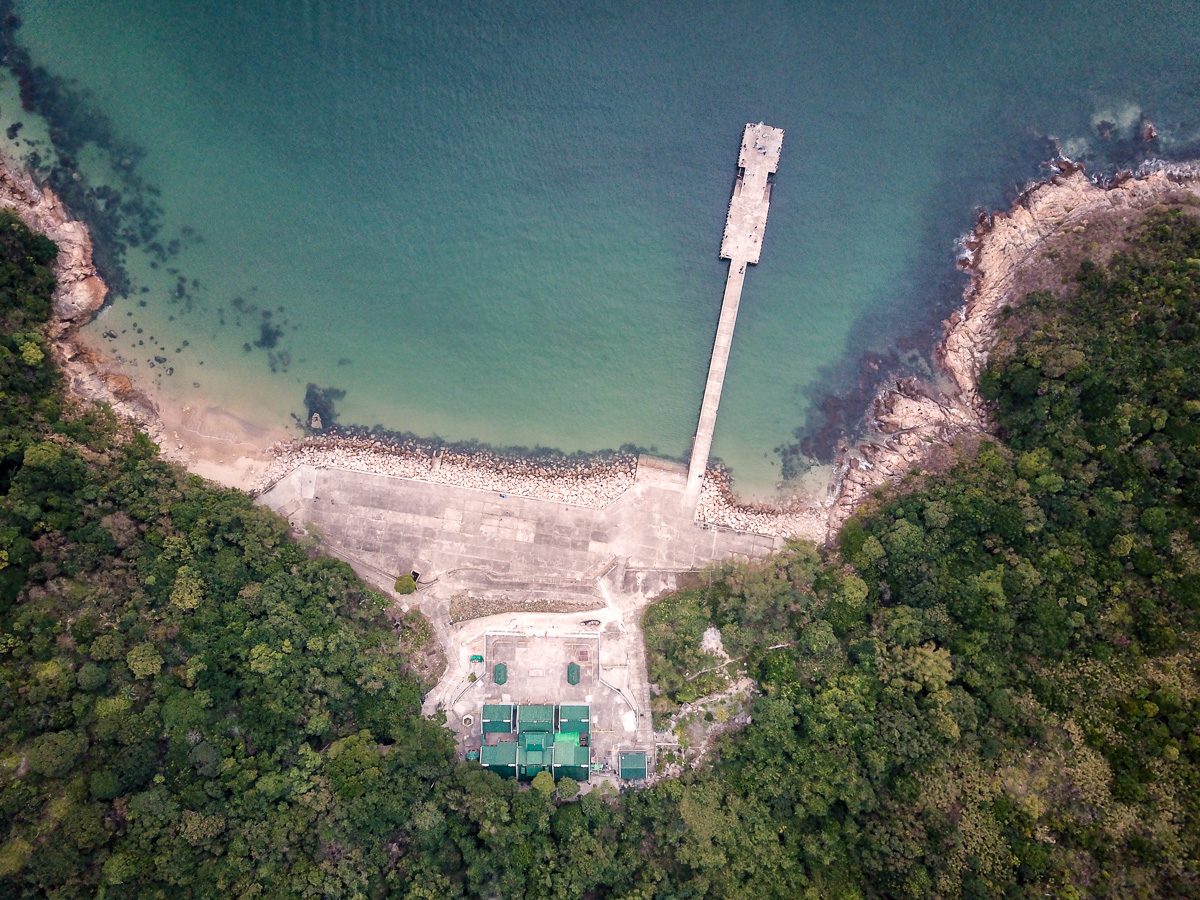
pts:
[516, 552]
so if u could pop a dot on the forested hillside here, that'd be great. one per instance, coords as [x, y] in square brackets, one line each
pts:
[995, 688]
[988, 690]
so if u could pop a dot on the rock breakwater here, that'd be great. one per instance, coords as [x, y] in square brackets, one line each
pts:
[719, 506]
[593, 481]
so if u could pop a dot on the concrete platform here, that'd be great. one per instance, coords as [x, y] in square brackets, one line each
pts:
[467, 538]
[547, 568]
[747, 218]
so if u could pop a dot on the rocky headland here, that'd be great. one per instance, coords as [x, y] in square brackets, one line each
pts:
[78, 296]
[1037, 245]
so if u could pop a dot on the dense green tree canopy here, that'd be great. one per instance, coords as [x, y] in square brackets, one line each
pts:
[989, 689]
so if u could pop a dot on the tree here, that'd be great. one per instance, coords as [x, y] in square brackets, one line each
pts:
[144, 661]
[55, 754]
[188, 592]
[567, 788]
[543, 783]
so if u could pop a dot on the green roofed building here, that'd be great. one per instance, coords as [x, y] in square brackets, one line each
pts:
[570, 759]
[535, 749]
[574, 719]
[497, 718]
[535, 718]
[539, 747]
[500, 758]
[632, 765]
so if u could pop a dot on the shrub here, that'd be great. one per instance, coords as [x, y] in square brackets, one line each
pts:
[405, 584]
[144, 661]
[92, 676]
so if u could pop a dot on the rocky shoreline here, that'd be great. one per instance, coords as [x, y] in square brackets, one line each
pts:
[720, 507]
[78, 296]
[1051, 228]
[1053, 225]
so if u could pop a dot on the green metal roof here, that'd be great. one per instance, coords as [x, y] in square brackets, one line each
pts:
[536, 740]
[572, 761]
[497, 718]
[535, 718]
[572, 673]
[500, 673]
[539, 745]
[500, 758]
[632, 764]
[574, 718]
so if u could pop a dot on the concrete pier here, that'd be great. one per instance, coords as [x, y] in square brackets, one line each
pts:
[742, 246]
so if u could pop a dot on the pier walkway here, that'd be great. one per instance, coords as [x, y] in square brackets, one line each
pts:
[742, 246]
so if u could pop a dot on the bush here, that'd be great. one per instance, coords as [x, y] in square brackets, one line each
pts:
[567, 788]
[405, 584]
[92, 676]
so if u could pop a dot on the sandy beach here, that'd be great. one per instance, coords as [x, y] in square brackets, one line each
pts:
[217, 444]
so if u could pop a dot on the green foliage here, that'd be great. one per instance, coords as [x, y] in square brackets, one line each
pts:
[567, 788]
[405, 584]
[988, 690]
[144, 661]
[55, 753]
[543, 783]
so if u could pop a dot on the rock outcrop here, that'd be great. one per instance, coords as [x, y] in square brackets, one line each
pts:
[80, 292]
[78, 296]
[1052, 227]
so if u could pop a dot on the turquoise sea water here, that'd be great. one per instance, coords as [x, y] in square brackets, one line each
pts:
[500, 220]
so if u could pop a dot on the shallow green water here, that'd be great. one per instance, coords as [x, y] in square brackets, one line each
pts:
[500, 220]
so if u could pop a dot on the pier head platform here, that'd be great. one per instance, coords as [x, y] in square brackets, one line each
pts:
[741, 245]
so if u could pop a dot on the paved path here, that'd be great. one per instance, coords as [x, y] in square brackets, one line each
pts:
[702, 444]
